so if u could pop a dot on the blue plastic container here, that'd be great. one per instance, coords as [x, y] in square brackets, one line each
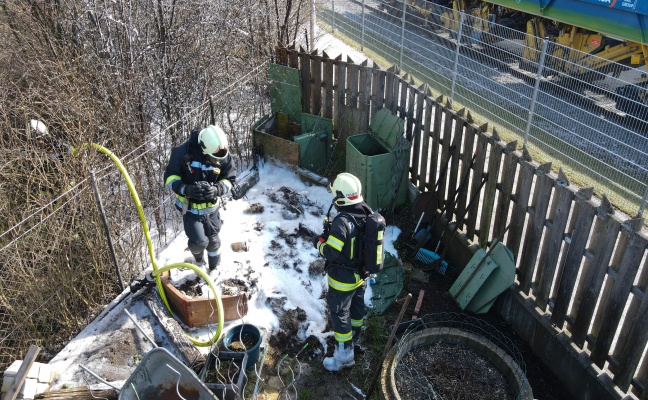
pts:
[245, 331]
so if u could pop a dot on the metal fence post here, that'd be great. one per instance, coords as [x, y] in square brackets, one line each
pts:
[456, 60]
[535, 90]
[333, 15]
[642, 206]
[400, 58]
[111, 247]
[363, 27]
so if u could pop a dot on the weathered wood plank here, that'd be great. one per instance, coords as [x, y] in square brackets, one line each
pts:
[79, 393]
[579, 232]
[316, 68]
[412, 99]
[520, 205]
[535, 227]
[453, 177]
[366, 74]
[402, 96]
[636, 339]
[467, 153]
[328, 86]
[490, 192]
[339, 99]
[377, 91]
[547, 267]
[281, 55]
[353, 78]
[306, 82]
[446, 133]
[390, 82]
[604, 234]
[436, 143]
[426, 178]
[630, 250]
[506, 190]
[293, 58]
[476, 184]
[21, 374]
[416, 139]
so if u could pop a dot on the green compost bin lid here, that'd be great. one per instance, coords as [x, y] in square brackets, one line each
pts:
[285, 91]
[387, 127]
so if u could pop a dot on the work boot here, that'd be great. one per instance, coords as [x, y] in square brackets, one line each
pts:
[342, 357]
[214, 261]
[199, 259]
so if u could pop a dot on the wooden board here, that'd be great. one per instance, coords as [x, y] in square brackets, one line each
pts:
[78, 393]
[583, 218]
[630, 251]
[548, 264]
[535, 227]
[604, 234]
[282, 150]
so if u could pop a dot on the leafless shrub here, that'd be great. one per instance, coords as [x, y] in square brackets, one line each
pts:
[133, 77]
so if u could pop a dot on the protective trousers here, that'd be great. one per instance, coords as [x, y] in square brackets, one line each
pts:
[202, 231]
[345, 299]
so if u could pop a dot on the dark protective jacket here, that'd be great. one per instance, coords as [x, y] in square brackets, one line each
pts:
[341, 248]
[188, 165]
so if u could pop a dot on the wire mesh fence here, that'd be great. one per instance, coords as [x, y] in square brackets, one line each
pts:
[579, 111]
[56, 268]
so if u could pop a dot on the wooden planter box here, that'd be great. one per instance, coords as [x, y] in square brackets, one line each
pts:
[200, 312]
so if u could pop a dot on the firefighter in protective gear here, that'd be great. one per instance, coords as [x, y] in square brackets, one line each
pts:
[199, 172]
[340, 247]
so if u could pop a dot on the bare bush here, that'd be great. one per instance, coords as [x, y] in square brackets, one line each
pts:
[133, 77]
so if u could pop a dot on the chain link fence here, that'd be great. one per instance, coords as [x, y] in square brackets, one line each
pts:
[56, 267]
[578, 111]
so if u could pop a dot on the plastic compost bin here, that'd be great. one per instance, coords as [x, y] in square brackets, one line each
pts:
[372, 158]
[314, 142]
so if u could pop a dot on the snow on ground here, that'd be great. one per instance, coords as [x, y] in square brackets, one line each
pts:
[281, 253]
[275, 270]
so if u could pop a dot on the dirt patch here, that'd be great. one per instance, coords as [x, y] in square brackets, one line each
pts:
[294, 368]
[450, 372]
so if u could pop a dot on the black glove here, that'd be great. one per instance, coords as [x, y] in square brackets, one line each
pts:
[211, 192]
[237, 192]
[195, 191]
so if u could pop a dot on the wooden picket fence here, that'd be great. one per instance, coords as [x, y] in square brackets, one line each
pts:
[581, 262]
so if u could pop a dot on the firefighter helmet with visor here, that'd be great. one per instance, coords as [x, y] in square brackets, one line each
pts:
[347, 189]
[213, 142]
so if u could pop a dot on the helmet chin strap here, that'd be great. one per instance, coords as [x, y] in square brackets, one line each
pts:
[338, 195]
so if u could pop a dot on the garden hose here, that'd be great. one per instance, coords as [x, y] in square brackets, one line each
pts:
[156, 272]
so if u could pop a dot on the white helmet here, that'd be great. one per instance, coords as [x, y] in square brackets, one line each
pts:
[37, 129]
[213, 142]
[347, 189]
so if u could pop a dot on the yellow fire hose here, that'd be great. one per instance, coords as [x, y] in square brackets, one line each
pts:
[157, 272]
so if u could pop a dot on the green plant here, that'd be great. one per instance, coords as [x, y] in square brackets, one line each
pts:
[305, 394]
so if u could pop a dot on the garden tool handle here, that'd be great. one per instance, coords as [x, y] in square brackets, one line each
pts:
[372, 382]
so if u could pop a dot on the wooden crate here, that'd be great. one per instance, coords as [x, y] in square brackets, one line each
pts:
[201, 311]
[267, 144]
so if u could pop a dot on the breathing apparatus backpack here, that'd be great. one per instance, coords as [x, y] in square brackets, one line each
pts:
[371, 246]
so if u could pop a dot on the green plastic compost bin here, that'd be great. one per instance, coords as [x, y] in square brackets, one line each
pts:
[374, 159]
[315, 142]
